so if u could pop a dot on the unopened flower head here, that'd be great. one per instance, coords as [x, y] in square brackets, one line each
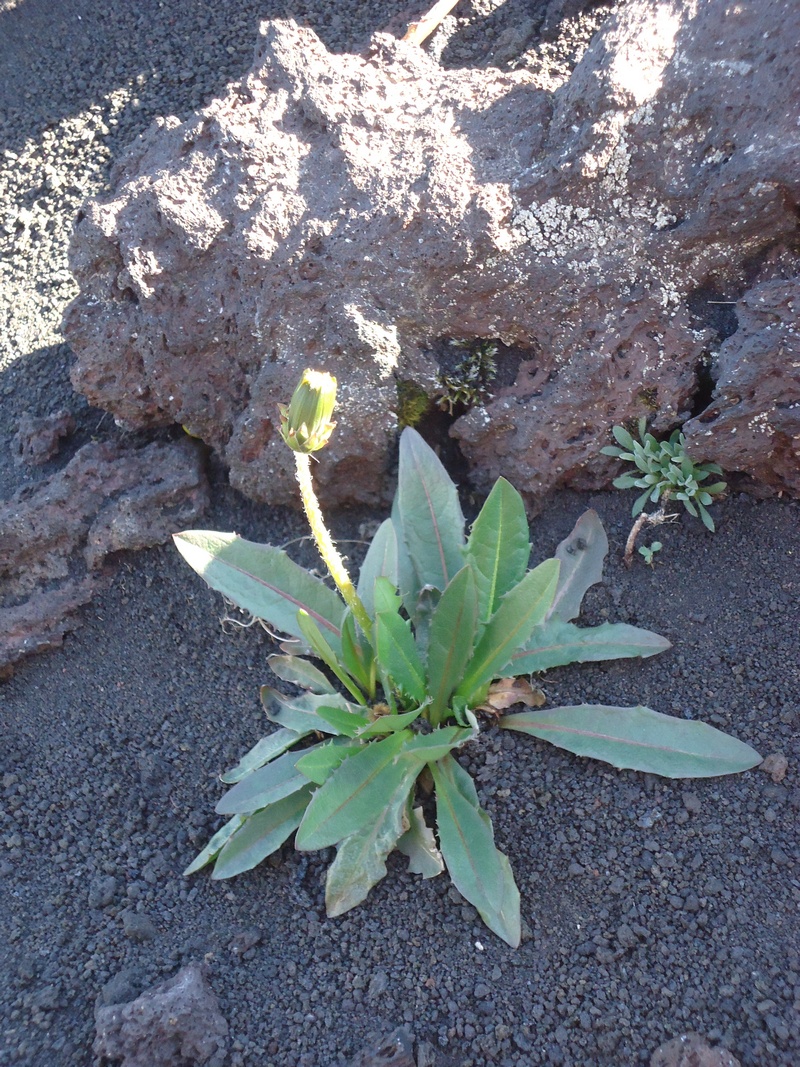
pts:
[306, 423]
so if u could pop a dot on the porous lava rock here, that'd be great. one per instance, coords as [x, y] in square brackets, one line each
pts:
[389, 1050]
[358, 212]
[58, 537]
[177, 1024]
[691, 1050]
[37, 440]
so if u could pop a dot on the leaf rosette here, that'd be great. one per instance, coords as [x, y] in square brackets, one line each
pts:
[396, 675]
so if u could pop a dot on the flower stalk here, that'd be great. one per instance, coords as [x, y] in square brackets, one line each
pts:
[306, 427]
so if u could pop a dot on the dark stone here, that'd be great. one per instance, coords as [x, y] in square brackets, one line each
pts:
[138, 927]
[691, 1050]
[394, 1050]
[177, 1024]
[37, 440]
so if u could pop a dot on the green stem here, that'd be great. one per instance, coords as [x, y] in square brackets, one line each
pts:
[325, 545]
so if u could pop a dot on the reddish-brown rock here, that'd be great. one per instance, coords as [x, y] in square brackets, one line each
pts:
[350, 212]
[176, 1024]
[691, 1050]
[56, 537]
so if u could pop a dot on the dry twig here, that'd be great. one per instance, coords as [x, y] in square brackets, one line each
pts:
[421, 30]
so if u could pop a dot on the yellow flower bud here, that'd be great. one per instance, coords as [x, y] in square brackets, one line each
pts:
[306, 423]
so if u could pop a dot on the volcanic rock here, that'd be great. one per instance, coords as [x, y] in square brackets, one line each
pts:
[37, 440]
[177, 1024]
[391, 1050]
[691, 1050]
[56, 537]
[361, 213]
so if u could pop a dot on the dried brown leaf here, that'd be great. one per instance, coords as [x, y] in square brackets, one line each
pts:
[508, 691]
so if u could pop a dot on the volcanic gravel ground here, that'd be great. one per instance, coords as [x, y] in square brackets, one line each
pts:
[652, 907]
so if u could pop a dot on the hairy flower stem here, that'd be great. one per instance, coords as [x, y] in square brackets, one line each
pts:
[325, 545]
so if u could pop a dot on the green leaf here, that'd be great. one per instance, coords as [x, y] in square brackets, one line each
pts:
[262, 580]
[345, 720]
[379, 562]
[452, 632]
[319, 762]
[554, 644]
[639, 739]
[262, 752]
[622, 436]
[639, 503]
[419, 844]
[357, 655]
[315, 638]
[390, 724]
[407, 581]
[498, 547]
[511, 627]
[708, 522]
[427, 748]
[300, 672]
[432, 522]
[300, 713]
[264, 786]
[361, 858]
[356, 790]
[479, 871]
[426, 604]
[353, 794]
[394, 643]
[215, 845]
[262, 833]
[581, 555]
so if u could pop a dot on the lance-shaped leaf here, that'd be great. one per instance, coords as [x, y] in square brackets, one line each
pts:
[262, 752]
[510, 627]
[215, 845]
[361, 858]
[430, 513]
[498, 547]
[300, 713]
[422, 613]
[428, 748]
[638, 738]
[272, 782]
[354, 793]
[357, 790]
[357, 654]
[319, 762]
[407, 581]
[479, 871]
[554, 644]
[312, 633]
[345, 720]
[379, 562]
[581, 555]
[419, 844]
[262, 833]
[450, 639]
[262, 580]
[300, 672]
[394, 643]
[390, 724]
